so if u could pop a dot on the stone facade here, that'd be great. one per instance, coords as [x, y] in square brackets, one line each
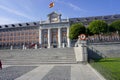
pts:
[54, 32]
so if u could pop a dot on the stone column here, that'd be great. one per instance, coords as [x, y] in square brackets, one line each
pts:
[40, 37]
[49, 37]
[68, 39]
[59, 37]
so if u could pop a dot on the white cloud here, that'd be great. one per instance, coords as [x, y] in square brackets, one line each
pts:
[4, 20]
[18, 13]
[73, 6]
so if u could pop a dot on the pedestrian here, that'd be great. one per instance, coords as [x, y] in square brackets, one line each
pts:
[0, 64]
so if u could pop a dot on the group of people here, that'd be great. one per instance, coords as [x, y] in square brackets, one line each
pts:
[103, 38]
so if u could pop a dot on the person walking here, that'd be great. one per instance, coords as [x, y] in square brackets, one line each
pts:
[0, 64]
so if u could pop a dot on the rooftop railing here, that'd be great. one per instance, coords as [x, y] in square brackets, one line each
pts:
[62, 20]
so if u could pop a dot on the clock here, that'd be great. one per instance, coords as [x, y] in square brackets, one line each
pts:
[55, 19]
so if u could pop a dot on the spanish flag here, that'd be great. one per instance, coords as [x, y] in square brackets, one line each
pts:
[51, 5]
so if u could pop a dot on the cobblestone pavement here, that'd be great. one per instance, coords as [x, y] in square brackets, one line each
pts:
[13, 72]
[50, 72]
[58, 73]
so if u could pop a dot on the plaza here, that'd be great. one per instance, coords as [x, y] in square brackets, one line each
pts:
[50, 72]
[27, 55]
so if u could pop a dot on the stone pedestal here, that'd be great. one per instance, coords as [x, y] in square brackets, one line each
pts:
[63, 45]
[84, 49]
[81, 52]
[35, 46]
[23, 47]
[11, 47]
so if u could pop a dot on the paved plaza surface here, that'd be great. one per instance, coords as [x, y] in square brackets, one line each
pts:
[49, 72]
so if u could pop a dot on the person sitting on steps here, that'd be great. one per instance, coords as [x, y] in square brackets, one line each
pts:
[0, 64]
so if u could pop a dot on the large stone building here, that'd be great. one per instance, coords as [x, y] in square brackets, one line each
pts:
[53, 32]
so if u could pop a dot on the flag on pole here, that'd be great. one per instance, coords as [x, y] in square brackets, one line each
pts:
[51, 5]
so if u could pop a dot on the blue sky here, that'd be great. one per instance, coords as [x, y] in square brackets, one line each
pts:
[19, 11]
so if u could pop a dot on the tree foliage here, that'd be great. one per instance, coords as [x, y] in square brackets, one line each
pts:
[98, 26]
[76, 30]
[88, 32]
[115, 26]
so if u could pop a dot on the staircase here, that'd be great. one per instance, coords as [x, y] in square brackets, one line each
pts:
[38, 56]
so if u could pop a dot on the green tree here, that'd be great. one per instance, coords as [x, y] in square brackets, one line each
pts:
[115, 26]
[88, 31]
[111, 28]
[76, 30]
[98, 27]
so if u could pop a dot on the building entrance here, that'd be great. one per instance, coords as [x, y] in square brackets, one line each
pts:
[54, 37]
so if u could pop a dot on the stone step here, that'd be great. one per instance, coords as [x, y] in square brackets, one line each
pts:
[41, 57]
[39, 60]
[25, 62]
[58, 55]
[37, 63]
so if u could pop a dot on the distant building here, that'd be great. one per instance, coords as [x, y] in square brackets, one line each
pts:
[53, 32]
[86, 20]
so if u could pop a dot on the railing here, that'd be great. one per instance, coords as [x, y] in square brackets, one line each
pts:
[98, 39]
[62, 20]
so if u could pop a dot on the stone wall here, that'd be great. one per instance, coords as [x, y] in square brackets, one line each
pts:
[107, 49]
